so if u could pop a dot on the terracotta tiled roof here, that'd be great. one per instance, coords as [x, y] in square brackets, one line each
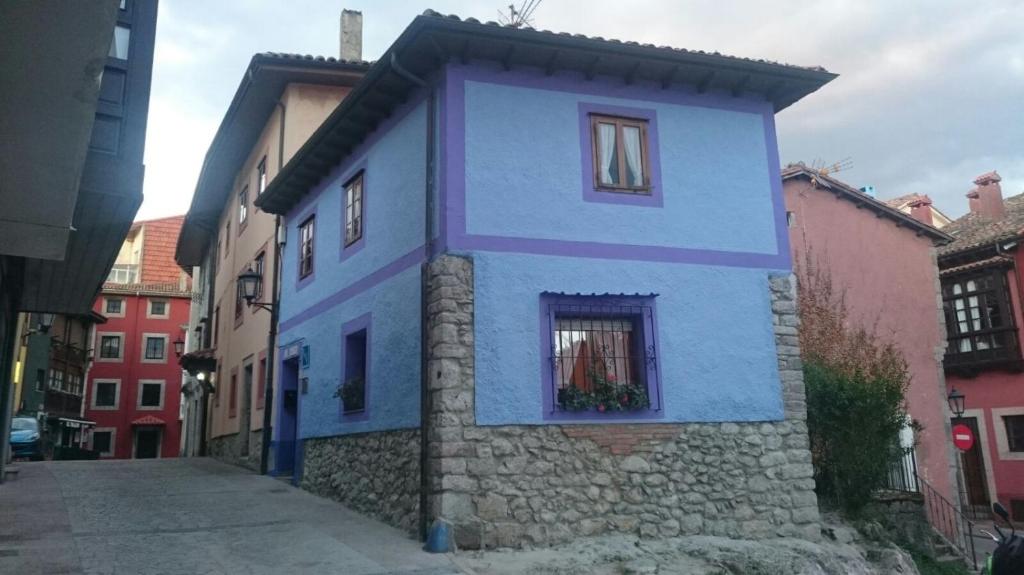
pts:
[974, 230]
[168, 290]
[434, 14]
[158, 242]
[903, 200]
[149, 420]
[989, 262]
[311, 58]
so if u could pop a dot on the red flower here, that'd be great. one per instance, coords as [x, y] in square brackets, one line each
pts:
[600, 407]
[611, 378]
[625, 399]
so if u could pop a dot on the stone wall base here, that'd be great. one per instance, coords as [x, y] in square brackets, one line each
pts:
[227, 448]
[543, 485]
[374, 473]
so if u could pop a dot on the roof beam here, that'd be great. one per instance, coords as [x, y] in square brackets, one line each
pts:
[740, 85]
[592, 68]
[666, 80]
[705, 82]
[464, 52]
[506, 61]
[549, 68]
[631, 75]
[439, 51]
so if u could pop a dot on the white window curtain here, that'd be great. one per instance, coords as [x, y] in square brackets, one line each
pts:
[631, 139]
[606, 137]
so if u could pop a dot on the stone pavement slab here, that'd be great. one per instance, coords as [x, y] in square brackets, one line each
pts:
[189, 516]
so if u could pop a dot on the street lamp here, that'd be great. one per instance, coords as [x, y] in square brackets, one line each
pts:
[956, 403]
[45, 322]
[179, 346]
[250, 284]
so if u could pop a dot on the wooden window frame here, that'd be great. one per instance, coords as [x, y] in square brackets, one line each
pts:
[1009, 421]
[261, 176]
[999, 294]
[307, 235]
[243, 208]
[620, 122]
[350, 185]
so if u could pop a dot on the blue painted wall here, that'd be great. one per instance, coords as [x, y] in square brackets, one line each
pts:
[522, 181]
[382, 279]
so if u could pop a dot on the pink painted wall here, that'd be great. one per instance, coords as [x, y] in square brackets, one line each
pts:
[997, 389]
[889, 275]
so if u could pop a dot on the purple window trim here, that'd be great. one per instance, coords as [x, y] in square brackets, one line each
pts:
[410, 259]
[346, 252]
[551, 412]
[453, 221]
[594, 193]
[301, 282]
[363, 322]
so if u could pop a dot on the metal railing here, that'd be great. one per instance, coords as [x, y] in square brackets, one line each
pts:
[949, 522]
[903, 474]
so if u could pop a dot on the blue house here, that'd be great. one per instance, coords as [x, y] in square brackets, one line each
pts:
[538, 285]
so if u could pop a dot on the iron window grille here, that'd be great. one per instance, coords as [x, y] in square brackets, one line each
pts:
[306, 230]
[154, 348]
[603, 355]
[979, 319]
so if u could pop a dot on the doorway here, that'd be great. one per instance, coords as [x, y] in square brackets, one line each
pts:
[287, 418]
[243, 419]
[147, 442]
[973, 465]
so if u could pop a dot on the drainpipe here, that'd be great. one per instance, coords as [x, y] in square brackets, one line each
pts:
[275, 301]
[424, 288]
[207, 344]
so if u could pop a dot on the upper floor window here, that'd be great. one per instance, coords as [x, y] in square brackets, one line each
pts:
[979, 322]
[114, 306]
[227, 238]
[110, 346]
[620, 152]
[155, 347]
[354, 210]
[1014, 432]
[119, 43]
[243, 206]
[261, 176]
[124, 274]
[157, 309]
[151, 394]
[257, 266]
[306, 230]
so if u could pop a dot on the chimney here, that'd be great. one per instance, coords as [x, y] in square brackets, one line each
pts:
[921, 210]
[986, 199]
[351, 35]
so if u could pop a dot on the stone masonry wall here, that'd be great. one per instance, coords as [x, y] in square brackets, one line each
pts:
[227, 449]
[374, 473]
[510, 485]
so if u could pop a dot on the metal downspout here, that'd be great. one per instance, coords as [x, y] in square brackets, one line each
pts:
[428, 249]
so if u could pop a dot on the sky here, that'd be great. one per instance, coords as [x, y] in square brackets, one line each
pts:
[930, 92]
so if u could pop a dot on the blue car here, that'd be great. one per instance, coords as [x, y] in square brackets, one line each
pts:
[26, 441]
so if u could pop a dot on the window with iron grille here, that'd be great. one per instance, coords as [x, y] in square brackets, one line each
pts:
[306, 247]
[979, 320]
[1014, 432]
[354, 210]
[603, 355]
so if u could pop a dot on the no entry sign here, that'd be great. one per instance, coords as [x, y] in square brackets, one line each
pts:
[963, 437]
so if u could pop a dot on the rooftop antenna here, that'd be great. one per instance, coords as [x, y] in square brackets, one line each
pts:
[519, 17]
[818, 165]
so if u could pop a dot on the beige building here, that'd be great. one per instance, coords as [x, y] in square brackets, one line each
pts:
[281, 101]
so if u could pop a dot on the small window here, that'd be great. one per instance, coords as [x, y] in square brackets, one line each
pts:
[151, 394]
[306, 230]
[40, 379]
[114, 305]
[257, 266]
[157, 307]
[261, 176]
[233, 396]
[101, 442]
[354, 210]
[155, 348]
[119, 44]
[56, 379]
[216, 324]
[110, 347]
[620, 154]
[239, 302]
[1014, 432]
[790, 219]
[353, 389]
[106, 394]
[243, 206]
[227, 239]
[261, 383]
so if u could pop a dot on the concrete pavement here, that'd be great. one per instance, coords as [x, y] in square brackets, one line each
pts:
[188, 516]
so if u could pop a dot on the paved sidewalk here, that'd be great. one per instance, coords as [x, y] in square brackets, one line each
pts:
[188, 516]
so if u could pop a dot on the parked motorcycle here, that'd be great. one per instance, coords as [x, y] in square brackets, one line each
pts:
[1008, 558]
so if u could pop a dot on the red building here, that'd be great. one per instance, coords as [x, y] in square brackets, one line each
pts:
[983, 295]
[134, 388]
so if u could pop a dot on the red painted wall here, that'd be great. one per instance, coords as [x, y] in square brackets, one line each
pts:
[131, 369]
[889, 277]
[998, 389]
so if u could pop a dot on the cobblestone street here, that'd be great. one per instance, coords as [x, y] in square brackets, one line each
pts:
[188, 516]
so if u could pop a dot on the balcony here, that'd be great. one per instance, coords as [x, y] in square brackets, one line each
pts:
[985, 349]
[59, 403]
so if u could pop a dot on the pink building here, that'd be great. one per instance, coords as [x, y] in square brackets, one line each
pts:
[982, 292]
[885, 260]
